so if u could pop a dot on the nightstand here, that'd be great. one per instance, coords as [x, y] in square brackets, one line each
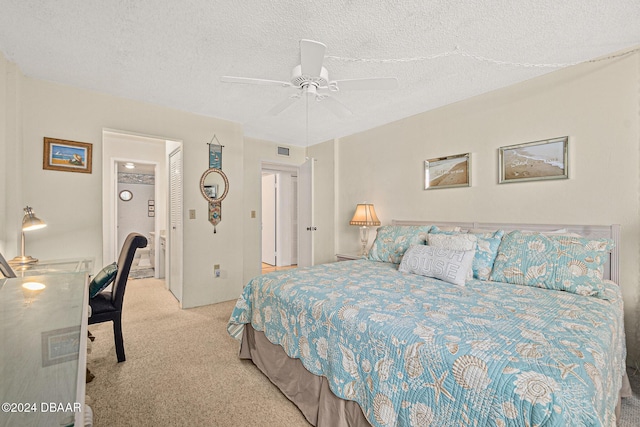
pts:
[348, 257]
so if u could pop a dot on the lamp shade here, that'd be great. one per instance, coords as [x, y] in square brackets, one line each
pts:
[365, 215]
[30, 221]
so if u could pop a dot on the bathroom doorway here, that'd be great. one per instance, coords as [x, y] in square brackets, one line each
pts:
[150, 157]
[136, 212]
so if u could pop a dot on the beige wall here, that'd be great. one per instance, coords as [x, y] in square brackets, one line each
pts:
[10, 156]
[596, 105]
[71, 203]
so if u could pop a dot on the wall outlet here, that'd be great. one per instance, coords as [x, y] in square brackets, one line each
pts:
[216, 270]
[253, 214]
[192, 214]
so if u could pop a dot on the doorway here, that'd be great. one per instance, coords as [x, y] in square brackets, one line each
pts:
[119, 148]
[279, 218]
[292, 198]
[135, 212]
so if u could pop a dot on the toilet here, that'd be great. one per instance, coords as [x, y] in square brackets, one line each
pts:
[144, 260]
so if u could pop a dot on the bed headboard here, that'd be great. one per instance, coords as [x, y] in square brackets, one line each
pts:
[611, 268]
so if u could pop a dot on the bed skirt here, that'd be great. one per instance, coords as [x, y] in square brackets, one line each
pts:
[309, 392]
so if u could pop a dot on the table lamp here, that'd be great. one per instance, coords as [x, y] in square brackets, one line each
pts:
[29, 222]
[364, 216]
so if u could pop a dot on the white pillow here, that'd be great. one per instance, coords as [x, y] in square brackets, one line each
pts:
[445, 264]
[457, 241]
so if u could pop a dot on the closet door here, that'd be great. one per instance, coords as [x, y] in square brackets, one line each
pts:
[175, 224]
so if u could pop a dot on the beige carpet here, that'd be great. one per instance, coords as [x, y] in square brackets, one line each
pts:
[182, 369]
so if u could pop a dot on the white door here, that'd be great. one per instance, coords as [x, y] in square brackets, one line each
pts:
[175, 223]
[305, 214]
[269, 219]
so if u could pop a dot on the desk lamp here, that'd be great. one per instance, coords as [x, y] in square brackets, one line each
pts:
[29, 222]
[364, 216]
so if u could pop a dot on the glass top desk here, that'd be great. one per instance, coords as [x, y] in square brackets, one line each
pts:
[68, 265]
[43, 343]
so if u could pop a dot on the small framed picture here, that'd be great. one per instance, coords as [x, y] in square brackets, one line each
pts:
[151, 203]
[447, 172]
[60, 345]
[68, 156]
[534, 161]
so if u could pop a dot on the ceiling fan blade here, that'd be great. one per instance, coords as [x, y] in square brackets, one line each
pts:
[335, 106]
[311, 57]
[247, 80]
[281, 106]
[365, 84]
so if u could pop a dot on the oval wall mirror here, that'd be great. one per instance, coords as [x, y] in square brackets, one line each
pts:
[126, 195]
[214, 185]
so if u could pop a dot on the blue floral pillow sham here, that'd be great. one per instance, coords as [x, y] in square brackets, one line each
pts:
[572, 264]
[393, 240]
[580, 264]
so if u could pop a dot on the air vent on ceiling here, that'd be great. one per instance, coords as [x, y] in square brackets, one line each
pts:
[283, 151]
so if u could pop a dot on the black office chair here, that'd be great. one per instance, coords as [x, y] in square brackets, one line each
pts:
[107, 306]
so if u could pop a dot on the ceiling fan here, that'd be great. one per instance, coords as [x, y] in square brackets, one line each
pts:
[312, 79]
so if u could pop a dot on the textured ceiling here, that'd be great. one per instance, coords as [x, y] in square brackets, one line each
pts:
[173, 53]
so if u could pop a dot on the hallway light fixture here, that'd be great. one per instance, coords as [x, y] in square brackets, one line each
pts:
[364, 216]
[29, 222]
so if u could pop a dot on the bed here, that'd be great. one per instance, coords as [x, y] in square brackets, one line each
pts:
[383, 342]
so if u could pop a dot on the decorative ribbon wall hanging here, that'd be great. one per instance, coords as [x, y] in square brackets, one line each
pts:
[214, 184]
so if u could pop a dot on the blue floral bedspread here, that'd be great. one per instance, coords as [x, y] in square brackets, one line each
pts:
[415, 351]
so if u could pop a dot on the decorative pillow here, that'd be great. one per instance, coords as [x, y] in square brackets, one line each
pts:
[445, 264]
[525, 259]
[454, 240]
[580, 264]
[442, 229]
[486, 252]
[103, 279]
[572, 264]
[393, 240]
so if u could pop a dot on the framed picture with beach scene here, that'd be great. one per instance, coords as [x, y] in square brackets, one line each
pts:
[447, 172]
[533, 161]
[68, 156]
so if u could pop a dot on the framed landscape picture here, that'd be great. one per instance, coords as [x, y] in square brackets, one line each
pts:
[69, 156]
[447, 172]
[533, 161]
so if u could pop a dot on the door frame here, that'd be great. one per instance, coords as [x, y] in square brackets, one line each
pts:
[109, 188]
[275, 167]
[269, 229]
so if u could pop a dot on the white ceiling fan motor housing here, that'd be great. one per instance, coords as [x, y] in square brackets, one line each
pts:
[301, 81]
